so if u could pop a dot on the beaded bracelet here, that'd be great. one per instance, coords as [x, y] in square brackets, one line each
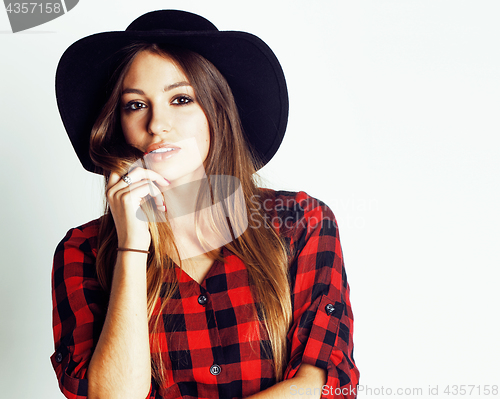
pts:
[132, 250]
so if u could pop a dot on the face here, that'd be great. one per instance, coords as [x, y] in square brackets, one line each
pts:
[161, 117]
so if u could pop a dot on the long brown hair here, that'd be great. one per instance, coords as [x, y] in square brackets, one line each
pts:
[259, 247]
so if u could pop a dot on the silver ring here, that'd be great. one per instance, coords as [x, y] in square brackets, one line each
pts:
[127, 179]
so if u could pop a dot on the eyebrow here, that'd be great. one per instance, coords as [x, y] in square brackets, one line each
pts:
[166, 88]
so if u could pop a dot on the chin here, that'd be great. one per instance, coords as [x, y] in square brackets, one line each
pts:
[174, 175]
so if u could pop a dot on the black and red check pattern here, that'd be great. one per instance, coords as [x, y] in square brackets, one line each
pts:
[212, 340]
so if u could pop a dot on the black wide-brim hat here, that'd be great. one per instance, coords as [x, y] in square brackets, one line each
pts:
[248, 64]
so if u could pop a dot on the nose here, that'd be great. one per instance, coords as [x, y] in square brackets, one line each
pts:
[159, 122]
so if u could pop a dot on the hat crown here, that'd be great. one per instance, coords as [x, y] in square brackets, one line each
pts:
[171, 20]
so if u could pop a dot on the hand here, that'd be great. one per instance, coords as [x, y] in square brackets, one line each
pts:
[125, 200]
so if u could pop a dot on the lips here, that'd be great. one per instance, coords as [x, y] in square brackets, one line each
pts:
[160, 152]
[160, 148]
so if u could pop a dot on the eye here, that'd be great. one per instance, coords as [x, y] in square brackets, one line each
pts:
[134, 106]
[182, 100]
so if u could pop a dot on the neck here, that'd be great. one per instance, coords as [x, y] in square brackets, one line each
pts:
[190, 221]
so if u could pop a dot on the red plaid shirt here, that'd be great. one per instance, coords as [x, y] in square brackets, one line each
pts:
[216, 347]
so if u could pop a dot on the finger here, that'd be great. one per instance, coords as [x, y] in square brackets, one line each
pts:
[142, 189]
[157, 196]
[113, 179]
[115, 183]
[139, 178]
[139, 173]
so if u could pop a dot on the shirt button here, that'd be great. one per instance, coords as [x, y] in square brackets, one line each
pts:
[59, 357]
[215, 369]
[330, 309]
[202, 300]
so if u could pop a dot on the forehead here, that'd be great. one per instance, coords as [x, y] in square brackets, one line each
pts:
[152, 68]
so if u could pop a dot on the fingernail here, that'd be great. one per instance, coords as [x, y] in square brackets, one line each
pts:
[167, 181]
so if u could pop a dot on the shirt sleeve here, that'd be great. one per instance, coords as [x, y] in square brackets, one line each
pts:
[79, 309]
[322, 327]
[79, 305]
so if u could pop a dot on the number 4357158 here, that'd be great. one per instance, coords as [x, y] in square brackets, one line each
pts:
[32, 8]
[471, 390]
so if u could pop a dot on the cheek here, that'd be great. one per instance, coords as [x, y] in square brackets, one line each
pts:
[197, 127]
[204, 138]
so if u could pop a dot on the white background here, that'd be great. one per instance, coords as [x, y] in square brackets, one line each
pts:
[394, 122]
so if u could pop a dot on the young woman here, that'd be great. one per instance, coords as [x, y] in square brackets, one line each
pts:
[195, 283]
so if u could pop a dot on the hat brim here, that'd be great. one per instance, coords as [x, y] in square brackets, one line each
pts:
[248, 64]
